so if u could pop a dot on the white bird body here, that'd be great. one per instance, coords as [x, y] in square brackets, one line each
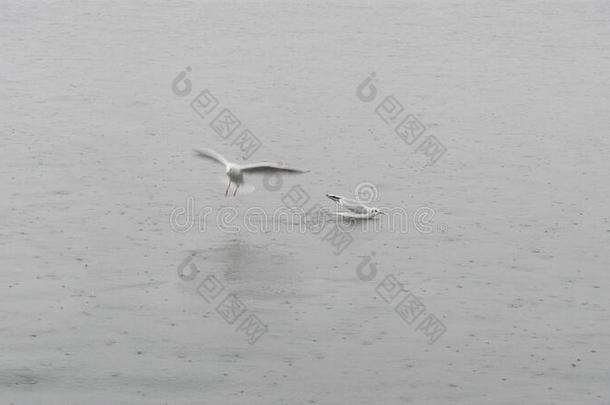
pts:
[350, 215]
[235, 172]
[354, 208]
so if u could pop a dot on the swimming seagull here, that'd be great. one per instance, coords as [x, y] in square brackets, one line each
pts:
[357, 210]
[235, 172]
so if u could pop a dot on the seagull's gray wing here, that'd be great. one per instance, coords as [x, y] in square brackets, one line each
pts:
[210, 154]
[265, 167]
[349, 204]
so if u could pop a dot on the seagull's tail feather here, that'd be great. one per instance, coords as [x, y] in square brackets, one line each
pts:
[334, 197]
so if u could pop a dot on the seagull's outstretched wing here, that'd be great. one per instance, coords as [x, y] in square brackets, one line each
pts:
[211, 155]
[350, 205]
[265, 167]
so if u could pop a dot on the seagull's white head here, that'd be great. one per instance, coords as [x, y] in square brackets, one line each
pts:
[376, 211]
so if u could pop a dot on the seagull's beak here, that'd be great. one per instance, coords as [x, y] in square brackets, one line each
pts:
[382, 213]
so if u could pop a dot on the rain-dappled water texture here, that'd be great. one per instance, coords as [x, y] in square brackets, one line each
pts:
[493, 116]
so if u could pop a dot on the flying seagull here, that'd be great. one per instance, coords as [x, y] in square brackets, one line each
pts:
[235, 172]
[354, 208]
